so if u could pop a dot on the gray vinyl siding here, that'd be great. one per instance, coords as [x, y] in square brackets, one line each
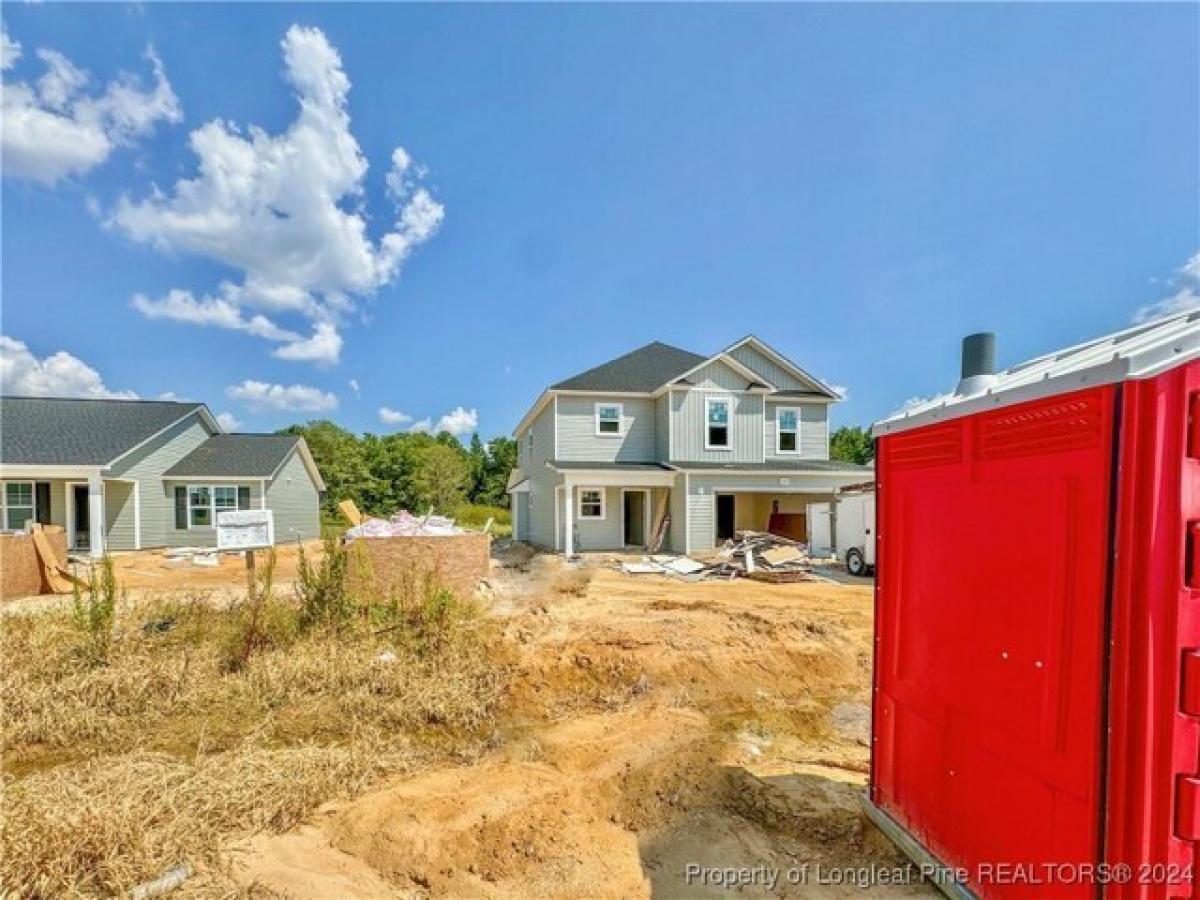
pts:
[662, 428]
[690, 428]
[599, 534]
[119, 516]
[814, 430]
[206, 536]
[716, 375]
[678, 534]
[521, 510]
[542, 479]
[776, 375]
[295, 501]
[146, 465]
[701, 514]
[577, 438]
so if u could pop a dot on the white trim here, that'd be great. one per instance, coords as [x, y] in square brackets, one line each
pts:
[687, 513]
[620, 477]
[599, 489]
[544, 398]
[646, 503]
[728, 445]
[25, 472]
[779, 451]
[619, 433]
[202, 410]
[554, 426]
[786, 473]
[69, 506]
[212, 501]
[723, 357]
[558, 502]
[785, 363]
[4, 501]
[262, 493]
[569, 520]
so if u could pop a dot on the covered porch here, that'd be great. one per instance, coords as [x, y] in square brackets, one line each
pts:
[615, 507]
[82, 501]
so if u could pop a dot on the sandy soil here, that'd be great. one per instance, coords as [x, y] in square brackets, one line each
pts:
[660, 735]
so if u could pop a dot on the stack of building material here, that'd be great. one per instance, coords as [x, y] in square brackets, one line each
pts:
[404, 524]
[754, 554]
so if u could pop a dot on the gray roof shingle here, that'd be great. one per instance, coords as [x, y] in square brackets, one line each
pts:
[240, 455]
[55, 431]
[641, 371]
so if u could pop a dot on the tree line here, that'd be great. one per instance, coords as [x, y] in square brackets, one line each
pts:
[409, 470]
[416, 471]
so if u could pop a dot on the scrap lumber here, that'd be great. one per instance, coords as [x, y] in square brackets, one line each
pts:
[663, 517]
[349, 509]
[57, 577]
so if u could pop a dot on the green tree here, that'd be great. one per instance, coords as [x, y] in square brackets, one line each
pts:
[339, 456]
[501, 459]
[852, 443]
[441, 478]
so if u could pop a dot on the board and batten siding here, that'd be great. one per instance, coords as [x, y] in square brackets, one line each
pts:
[814, 430]
[777, 376]
[295, 500]
[577, 438]
[147, 464]
[662, 428]
[716, 375]
[688, 419]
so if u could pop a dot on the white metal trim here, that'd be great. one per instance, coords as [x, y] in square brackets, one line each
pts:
[778, 432]
[4, 500]
[621, 429]
[728, 445]
[602, 491]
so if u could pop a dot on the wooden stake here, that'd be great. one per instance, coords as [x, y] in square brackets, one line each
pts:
[251, 581]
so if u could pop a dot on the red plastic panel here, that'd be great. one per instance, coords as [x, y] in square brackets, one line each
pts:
[990, 623]
[1155, 733]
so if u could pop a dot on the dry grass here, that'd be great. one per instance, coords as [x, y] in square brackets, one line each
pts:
[573, 582]
[163, 753]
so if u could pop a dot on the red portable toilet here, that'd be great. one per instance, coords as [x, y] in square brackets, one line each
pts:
[1036, 704]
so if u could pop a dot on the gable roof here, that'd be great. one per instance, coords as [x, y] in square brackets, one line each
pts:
[56, 431]
[641, 371]
[242, 455]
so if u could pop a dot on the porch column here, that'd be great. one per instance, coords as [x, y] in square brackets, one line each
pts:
[569, 516]
[96, 536]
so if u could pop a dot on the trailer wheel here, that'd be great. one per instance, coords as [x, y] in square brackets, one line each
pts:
[856, 565]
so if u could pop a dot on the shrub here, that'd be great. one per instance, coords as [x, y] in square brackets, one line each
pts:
[93, 614]
[322, 588]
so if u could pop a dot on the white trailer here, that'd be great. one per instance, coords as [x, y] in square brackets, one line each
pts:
[854, 529]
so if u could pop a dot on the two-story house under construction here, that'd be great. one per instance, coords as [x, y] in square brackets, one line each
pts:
[663, 441]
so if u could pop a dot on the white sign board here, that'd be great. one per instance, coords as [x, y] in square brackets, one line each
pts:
[245, 529]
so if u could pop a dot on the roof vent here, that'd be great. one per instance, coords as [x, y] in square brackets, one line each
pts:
[978, 364]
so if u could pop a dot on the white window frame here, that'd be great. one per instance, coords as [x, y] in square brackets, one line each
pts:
[708, 402]
[211, 506]
[620, 408]
[4, 507]
[795, 410]
[579, 504]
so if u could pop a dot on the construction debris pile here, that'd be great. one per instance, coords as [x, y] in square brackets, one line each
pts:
[404, 524]
[752, 554]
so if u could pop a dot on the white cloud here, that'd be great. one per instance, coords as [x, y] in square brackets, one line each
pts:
[458, 421]
[219, 312]
[287, 210]
[259, 395]
[54, 128]
[353, 382]
[324, 347]
[389, 416]
[425, 425]
[58, 375]
[1186, 283]
[228, 421]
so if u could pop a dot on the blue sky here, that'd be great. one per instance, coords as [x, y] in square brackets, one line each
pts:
[858, 185]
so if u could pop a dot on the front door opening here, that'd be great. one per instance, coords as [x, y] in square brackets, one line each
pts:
[634, 512]
[79, 497]
[725, 517]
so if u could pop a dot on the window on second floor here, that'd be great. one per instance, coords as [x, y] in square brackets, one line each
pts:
[787, 430]
[609, 417]
[716, 424]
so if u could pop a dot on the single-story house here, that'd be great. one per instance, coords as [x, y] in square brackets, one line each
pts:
[132, 474]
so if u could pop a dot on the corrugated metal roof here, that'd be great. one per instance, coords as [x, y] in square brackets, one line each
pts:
[641, 371]
[240, 455]
[55, 431]
[1138, 352]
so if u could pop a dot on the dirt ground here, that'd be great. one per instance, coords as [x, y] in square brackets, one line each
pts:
[665, 739]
